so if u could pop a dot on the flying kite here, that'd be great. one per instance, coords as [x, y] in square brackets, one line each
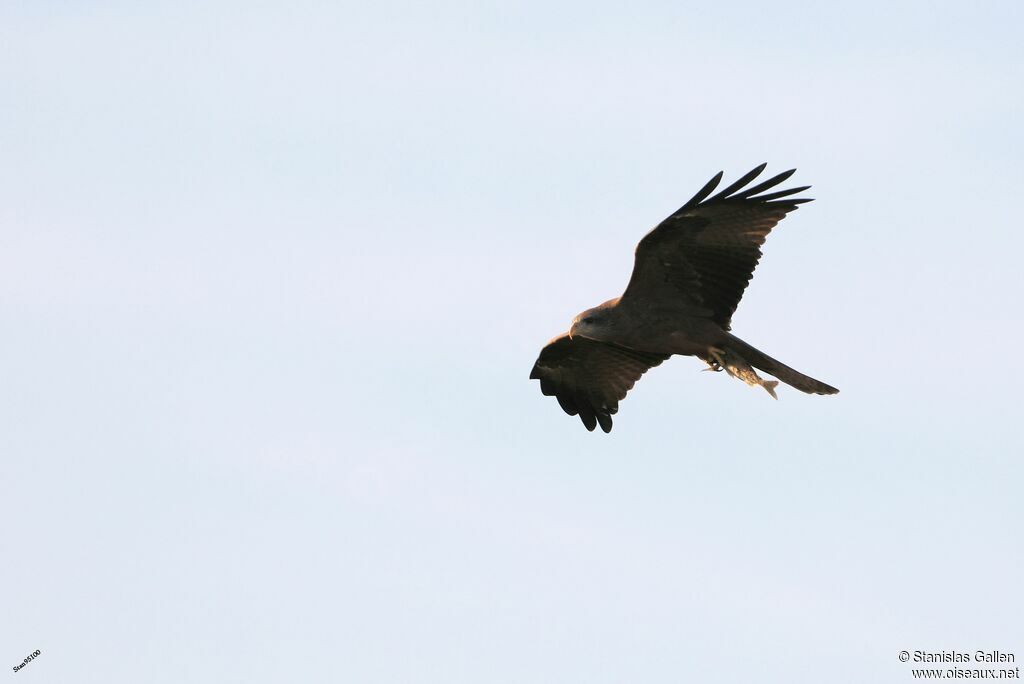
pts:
[689, 274]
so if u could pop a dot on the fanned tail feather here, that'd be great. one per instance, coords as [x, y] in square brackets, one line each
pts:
[791, 377]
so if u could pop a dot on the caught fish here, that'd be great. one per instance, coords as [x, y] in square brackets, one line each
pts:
[735, 366]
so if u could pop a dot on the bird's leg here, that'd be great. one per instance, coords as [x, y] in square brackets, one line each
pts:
[716, 358]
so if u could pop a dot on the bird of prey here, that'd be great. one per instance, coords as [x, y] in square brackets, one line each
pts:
[689, 274]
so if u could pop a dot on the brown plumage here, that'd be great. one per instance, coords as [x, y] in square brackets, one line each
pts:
[689, 275]
[590, 378]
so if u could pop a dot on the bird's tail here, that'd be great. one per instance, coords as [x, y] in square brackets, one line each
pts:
[763, 362]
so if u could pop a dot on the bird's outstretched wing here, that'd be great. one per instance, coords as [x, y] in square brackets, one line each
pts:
[702, 256]
[589, 378]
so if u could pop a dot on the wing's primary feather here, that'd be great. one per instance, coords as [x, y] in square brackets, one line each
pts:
[701, 258]
[770, 183]
[746, 178]
[702, 194]
[590, 378]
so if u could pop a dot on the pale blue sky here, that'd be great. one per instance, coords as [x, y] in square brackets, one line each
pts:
[273, 276]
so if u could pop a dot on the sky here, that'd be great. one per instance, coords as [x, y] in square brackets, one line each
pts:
[273, 277]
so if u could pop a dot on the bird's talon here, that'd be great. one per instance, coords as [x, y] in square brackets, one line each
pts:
[717, 360]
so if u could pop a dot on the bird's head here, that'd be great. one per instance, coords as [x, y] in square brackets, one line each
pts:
[591, 323]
